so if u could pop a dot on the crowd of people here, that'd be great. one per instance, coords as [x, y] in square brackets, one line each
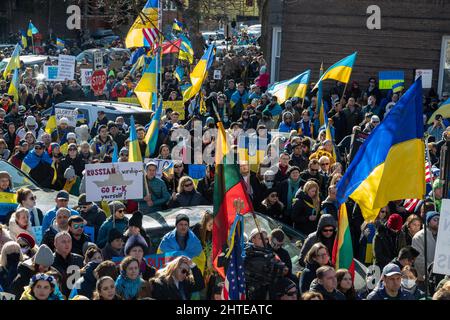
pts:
[298, 190]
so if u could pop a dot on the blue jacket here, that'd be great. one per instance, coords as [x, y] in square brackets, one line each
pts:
[160, 196]
[169, 243]
[121, 225]
[50, 215]
[283, 127]
[379, 293]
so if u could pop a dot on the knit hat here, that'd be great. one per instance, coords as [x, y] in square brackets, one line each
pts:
[82, 200]
[255, 232]
[71, 135]
[181, 217]
[114, 234]
[44, 256]
[64, 120]
[395, 222]
[115, 205]
[69, 174]
[86, 247]
[431, 215]
[282, 286]
[27, 238]
[136, 220]
[135, 241]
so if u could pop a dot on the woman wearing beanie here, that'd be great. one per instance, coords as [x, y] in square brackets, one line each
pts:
[137, 248]
[72, 182]
[20, 223]
[116, 220]
[40, 263]
[27, 245]
[135, 228]
[114, 246]
[129, 284]
[42, 287]
[10, 257]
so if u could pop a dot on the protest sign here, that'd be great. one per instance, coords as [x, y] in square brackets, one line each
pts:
[177, 106]
[427, 77]
[217, 75]
[71, 115]
[114, 181]
[162, 163]
[51, 73]
[66, 67]
[85, 75]
[38, 234]
[155, 260]
[442, 254]
[7, 296]
[90, 231]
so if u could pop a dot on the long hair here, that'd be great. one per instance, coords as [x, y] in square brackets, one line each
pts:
[168, 272]
[182, 181]
[205, 235]
[340, 274]
[316, 200]
[98, 285]
[312, 253]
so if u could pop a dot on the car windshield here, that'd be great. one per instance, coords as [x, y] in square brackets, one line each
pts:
[18, 177]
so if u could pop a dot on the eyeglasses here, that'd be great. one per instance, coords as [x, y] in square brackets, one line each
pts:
[189, 185]
[323, 255]
[78, 226]
[120, 210]
[328, 230]
[185, 271]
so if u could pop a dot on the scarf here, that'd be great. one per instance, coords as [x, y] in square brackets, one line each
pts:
[127, 288]
[292, 190]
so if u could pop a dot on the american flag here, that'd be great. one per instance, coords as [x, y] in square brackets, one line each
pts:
[411, 204]
[151, 35]
[234, 288]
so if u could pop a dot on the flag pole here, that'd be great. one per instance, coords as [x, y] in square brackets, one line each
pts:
[32, 38]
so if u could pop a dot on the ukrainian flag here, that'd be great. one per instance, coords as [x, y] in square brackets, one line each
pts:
[186, 51]
[177, 25]
[186, 91]
[387, 79]
[198, 75]
[51, 122]
[390, 165]
[8, 203]
[443, 110]
[147, 19]
[179, 73]
[64, 145]
[13, 87]
[60, 43]
[151, 138]
[340, 71]
[147, 88]
[252, 150]
[24, 39]
[398, 87]
[138, 64]
[32, 29]
[295, 87]
[14, 62]
[134, 150]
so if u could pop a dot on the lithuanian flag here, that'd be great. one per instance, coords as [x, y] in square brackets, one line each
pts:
[342, 249]
[228, 186]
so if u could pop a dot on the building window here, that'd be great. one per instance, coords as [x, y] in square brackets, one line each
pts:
[444, 70]
[276, 54]
[168, 5]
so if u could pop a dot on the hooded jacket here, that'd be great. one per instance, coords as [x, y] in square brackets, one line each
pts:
[15, 229]
[315, 237]
[335, 295]
[387, 245]
[120, 225]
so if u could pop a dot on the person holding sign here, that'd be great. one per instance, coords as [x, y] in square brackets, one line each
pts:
[117, 220]
[155, 191]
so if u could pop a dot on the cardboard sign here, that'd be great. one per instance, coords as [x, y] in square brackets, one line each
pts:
[114, 181]
[71, 115]
[66, 67]
[427, 77]
[217, 74]
[38, 234]
[51, 73]
[162, 163]
[442, 253]
[86, 75]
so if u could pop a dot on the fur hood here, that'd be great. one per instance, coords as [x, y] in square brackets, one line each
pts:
[15, 229]
[8, 248]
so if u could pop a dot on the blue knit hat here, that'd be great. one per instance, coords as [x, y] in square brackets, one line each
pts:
[431, 215]
[135, 241]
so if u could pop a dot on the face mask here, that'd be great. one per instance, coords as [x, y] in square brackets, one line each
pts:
[408, 283]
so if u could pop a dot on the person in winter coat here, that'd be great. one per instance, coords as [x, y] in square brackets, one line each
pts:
[4, 236]
[326, 284]
[74, 159]
[26, 199]
[288, 188]
[325, 234]
[135, 228]
[19, 154]
[389, 288]
[388, 240]
[61, 223]
[288, 124]
[316, 257]
[85, 285]
[76, 230]
[10, 258]
[137, 248]
[114, 246]
[129, 284]
[409, 282]
[40, 263]
[20, 223]
[271, 206]
[155, 194]
[38, 164]
[91, 213]
[102, 143]
[330, 204]
[187, 195]
[42, 287]
[306, 208]
[177, 281]
[117, 220]
[412, 225]
[206, 185]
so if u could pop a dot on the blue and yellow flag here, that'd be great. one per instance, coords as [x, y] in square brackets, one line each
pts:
[134, 153]
[147, 88]
[148, 18]
[251, 149]
[179, 73]
[198, 75]
[186, 51]
[151, 138]
[390, 165]
[294, 87]
[60, 43]
[14, 62]
[64, 145]
[387, 79]
[31, 161]
[443, 110]
[398, 87]
[51, 122]
[24, 40]
[32, 29]
[340, 71]
[14, 86]
[177, 25]
[8, 203]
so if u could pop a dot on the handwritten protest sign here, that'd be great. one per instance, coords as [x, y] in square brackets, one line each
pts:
[51, 73]
[162, 163]
[114, 181]
[155, 260]
[85, 75]
[442, 253]
[71, 115]
[66, 67]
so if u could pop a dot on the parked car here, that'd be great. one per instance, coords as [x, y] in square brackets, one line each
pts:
[45, 198]
[108, 54]
[159, 223]
[88, 111]
[28, 60]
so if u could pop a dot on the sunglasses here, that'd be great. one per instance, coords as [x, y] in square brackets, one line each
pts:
[328, 230]
[188, 185]
[78, 226]
[185, 271]
[72, 149]
[121, 210]
[37, 148]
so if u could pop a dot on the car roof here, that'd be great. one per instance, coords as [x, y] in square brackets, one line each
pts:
[31, 59]
[108, 106]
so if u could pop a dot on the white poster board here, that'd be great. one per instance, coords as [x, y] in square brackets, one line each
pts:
[162, 163]
[217, 74]
[98, 60]
[71, 115]
[66, 67]
[85, 75]
[427, 77]
[114, 181]
[7, 296]
[51, 73]
[442, 254]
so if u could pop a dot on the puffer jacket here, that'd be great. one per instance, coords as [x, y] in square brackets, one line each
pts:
[120, 225]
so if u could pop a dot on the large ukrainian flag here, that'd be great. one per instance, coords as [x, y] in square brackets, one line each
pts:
[295, 87]
[186, 51]
[390, 165]
[148, 18]
[340, 71]
[147, 88]
[198, 75]
[151, 138]
[14, 62]
[14, 86]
